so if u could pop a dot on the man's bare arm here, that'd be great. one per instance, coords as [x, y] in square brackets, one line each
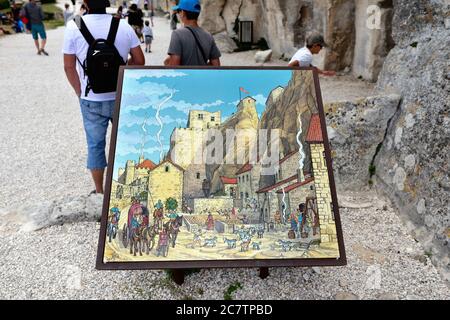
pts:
[215, 62]
[70, 67]
[294, 63]
[137, 57]
[173, 60]
[326, 73]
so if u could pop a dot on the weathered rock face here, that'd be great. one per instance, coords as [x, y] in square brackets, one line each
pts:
[373, 35]
[277, 21]
[413, 166]
[298, 100]
[246, 118]
[61, 211]
[285, 24]
[355, 130]
[225, 43]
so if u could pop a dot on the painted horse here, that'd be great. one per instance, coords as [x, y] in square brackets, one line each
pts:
[138, 221]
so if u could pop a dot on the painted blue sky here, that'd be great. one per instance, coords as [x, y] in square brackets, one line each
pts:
[177, 92]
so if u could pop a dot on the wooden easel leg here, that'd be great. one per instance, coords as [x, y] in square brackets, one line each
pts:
[263, 273]
[178, 276]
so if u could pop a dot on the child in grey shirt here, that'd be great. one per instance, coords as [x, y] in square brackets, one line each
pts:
[148, 35]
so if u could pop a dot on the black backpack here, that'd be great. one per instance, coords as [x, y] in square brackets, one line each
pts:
[102, 61]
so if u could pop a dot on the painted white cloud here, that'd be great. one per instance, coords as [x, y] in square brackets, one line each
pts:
[155, 73]
[128, 120]
[185, 107]
[122, 152]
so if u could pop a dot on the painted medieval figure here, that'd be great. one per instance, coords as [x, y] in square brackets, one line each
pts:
[158, 214]
[163, 243]
[114, 216]
[277, 218]
[206, 186]
[301, 218]
[210, 222]
[293, 219]
[233, 213]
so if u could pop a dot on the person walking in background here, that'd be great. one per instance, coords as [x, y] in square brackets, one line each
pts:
[67, 14]
[148, 35]
[173, 21]
[97, 107]
[304, 57]
[83, 10]
[152, 14]
[191, 45]
[35, 16]
[15, 12]
[135, 20]
[119, 13]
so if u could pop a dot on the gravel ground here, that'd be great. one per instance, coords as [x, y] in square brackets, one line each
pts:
[384, 262]
[42, 151]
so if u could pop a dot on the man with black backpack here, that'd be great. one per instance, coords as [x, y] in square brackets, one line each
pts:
[191, 45]
[95, 46]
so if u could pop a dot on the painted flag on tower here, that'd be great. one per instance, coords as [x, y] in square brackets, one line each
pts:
[244, 91]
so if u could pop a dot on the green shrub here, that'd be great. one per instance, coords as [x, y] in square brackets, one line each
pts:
[228, 294]
[4, 4]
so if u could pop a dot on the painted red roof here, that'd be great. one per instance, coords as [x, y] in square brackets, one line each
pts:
[289, 155]
[315, 130]
[246, 168]
[226, 180]
[277, 185]
[170, 161]
[147, 164]
[296, 185]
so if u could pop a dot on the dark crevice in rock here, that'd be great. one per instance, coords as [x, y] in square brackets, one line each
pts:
[388, 127]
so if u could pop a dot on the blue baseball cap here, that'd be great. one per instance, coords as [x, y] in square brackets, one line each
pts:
[188, 5]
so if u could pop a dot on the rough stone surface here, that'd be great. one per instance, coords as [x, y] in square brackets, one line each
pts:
[225, 43]
[263, 56]
[246, 118]
[355, 131]
[60, 211]
[285, 25]
[413, 166]
[298, 100]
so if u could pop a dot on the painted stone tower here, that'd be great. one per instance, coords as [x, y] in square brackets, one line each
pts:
[187, 146]
[321, 181]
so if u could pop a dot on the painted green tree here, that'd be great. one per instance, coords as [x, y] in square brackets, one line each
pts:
[171, 204]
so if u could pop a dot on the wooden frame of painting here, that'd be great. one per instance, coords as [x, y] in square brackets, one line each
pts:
[179, 196]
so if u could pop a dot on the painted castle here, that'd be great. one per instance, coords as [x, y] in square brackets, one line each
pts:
[263, 200]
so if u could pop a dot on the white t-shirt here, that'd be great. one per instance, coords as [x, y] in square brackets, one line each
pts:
[304, 57]
[98, 25]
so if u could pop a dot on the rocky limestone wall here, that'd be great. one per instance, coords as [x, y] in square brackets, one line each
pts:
[246, 118]
[347, 25]
[372, 43]
[413, 165]
[298, 100]
[355, 130]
